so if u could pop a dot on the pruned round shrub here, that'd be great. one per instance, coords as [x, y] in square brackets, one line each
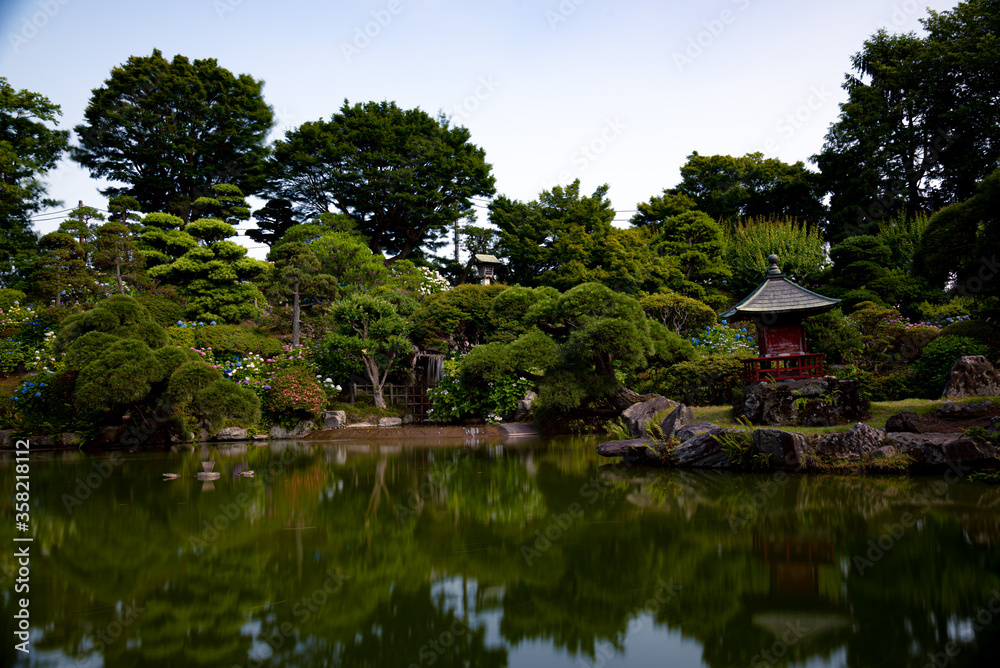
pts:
[711, 381]
[164, 311]
[939, 356]
[296, 394]
[224, 339]
[9, 296]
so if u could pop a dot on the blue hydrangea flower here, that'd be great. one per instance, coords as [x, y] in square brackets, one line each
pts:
[38, 394]
[179, 323]
[212, 323]
[725, 322]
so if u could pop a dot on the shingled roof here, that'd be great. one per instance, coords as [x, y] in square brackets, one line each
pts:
[777, 294]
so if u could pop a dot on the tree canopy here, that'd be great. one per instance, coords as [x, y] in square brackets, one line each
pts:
[170, 130]
[402, 175]
[29, 148]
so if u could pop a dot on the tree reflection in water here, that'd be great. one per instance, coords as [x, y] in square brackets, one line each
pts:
[350, 555]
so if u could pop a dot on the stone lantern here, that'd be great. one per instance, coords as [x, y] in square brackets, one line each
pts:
[486, 267]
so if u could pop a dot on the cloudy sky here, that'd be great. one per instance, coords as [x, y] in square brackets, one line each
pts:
[615, 92]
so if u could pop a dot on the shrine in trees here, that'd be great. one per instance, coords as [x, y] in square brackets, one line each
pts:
[778, 308]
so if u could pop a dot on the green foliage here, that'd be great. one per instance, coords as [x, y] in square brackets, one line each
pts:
[401, 175]
[212, 272]
[30, 146]
[118, 316]
[728, 188]
[563, 239]
[224, 339]
[938, 357]
[458, 319]
[370, 331]
[120, 376]
[708, 381]
[738, 446]
[295, 394]
[459, 396]
[683, 315]
[163, 310]
[9, 298]
[984, 332]
[172, 130]
[696, 241]
[724, 340]
[892, 386]
[835, 336]
[748, 244]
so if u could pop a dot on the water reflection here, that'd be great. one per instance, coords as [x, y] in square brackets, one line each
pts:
[356, 554]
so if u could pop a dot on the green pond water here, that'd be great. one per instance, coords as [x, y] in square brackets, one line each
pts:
[523, 553]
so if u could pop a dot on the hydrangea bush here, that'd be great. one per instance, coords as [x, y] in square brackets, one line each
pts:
[453, 401]
[720, 339]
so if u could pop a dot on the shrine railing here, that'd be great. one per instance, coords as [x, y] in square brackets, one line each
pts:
[792, 367]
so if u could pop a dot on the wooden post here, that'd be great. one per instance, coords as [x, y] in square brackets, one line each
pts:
[353, 389]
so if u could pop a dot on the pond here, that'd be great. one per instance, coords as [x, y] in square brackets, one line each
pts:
[489, 553]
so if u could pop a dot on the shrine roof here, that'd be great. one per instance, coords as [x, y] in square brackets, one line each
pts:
[777, 295]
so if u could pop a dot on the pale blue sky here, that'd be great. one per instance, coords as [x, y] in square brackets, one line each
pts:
[608, 92]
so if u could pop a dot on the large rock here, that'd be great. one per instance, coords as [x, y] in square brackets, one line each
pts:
[638, 416]
[298, 431]
[682, 415]
[390, 422]
[334, 419]
[523, 409]
[786, 450]
[632, 451]
[860, 441]
[903, 422]
[943, 449]
[7, 438]
[702, 451]
[972, 376]
[965, 411]
[814, 402]
[689, 431]
[232, 434]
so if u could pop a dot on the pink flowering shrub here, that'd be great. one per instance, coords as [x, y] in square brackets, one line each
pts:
[295, 393]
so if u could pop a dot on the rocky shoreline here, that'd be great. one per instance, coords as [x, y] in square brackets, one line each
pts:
[902, 446]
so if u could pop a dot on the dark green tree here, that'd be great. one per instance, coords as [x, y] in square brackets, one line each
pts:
[29, 147]
[210, 270]
[61, 268]
[369, 330]
[728, 188]
[170, 130]
[563, 239]
[297, 274]
[402, 175]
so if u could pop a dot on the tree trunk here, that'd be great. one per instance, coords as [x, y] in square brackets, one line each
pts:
[118, 275]
[295, 315]
[623, 397]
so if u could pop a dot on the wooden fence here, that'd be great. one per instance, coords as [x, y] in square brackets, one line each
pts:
[413, 397]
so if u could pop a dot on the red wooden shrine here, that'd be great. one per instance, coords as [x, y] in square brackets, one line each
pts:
[778, 307]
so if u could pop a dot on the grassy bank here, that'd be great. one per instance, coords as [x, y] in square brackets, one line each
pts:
[880, 412]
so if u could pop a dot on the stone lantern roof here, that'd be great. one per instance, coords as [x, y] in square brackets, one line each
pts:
[779, 296]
